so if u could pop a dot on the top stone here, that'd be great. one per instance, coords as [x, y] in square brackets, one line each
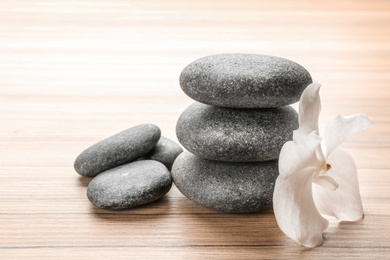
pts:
[244, 81]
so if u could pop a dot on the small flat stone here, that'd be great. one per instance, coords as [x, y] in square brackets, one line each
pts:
[130, 185]
[124, 147]
[236, 135]
[244, 80]
[165, 152]
[226, 186]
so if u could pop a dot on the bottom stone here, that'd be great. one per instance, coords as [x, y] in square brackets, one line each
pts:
[227, 186]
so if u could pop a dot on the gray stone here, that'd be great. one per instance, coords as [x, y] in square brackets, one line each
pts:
[124, 147]
[165, 152]
[236, 135]
[130, 185]
[244, 80]
[226, 186]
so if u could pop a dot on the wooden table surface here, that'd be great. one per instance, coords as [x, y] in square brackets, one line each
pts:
[75, 72]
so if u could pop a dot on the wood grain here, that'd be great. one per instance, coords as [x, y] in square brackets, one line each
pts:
[75, 72]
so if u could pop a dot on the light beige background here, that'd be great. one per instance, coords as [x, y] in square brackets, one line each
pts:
[75, 72]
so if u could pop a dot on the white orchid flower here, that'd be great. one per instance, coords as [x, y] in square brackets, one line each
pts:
[315, 177]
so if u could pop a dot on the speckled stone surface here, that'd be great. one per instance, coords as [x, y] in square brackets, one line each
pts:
[226, 186]
[236, 135]
[124, 147]
[244, 80]
[165, 152]
[130, 185]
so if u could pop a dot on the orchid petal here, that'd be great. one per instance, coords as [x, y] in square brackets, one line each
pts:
[309, 110]
[345, 202]
[340, 128]
[295, 212]
[296, 155]
[326, 182]
[294, 208]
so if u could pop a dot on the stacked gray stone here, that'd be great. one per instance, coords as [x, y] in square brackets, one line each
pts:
[233, 134]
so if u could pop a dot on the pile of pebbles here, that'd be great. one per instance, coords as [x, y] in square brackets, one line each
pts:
[233, 134]
[130, 168]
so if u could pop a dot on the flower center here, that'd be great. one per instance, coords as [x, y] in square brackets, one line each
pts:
[328, 167]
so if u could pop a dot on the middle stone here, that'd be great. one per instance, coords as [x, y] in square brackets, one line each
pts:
[236, 135]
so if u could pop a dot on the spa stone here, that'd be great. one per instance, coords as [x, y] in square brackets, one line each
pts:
[130, 185]
[165, 152]
[236, 135]
[124, 147]
[225, 186]
[244, 80]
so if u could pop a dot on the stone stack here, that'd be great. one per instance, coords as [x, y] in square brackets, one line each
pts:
[234, 133]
